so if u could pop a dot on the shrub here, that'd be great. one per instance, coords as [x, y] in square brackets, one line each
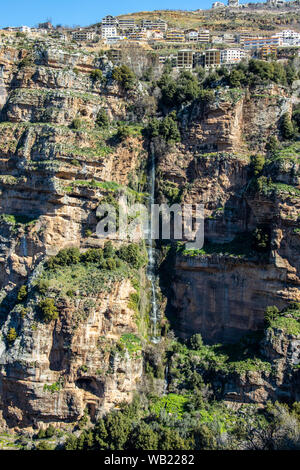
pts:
[180, 91]
[44, 445]
[11, 336]
[42, 286]
[108, 250]
[196, 342]
[22, 294]
[111, 264]
[26, 62]
[102, 119]
[167, 128]
[48, 310]
[124, 76]
[294, 306]
[93, 255]
[271, 313]
[272, 145]
[133, 255]
[64, 257]
[97, 75]
[88, 233]
[236, 78]
[286, 127]
[50, 431]
[41, 434]
[23, 312]
[123, 132]
[76, 124]
[257, 163]
[261, 239]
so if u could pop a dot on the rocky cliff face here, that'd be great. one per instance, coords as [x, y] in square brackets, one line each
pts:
[52, 181]
[212, 167]
[54, 372]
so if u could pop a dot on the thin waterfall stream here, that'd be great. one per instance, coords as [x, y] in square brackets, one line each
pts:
[151, 255]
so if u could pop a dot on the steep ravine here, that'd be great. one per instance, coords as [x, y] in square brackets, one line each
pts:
[111, 320]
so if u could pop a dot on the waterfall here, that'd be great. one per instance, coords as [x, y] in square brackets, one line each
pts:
[166, 381]
[151, 256]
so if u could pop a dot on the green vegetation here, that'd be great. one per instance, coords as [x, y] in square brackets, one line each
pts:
[134, 255]
[124, 76]
[286, 127]
[267, 187]
[260, 72]
[171, 403]
[17, 219]
[180, 91]
[288, 320]
[178, 422]
[257, 163]
[166, 128]
[131, 342]
[76, 124]
[55, 387]
[11, 336]
[97, 75]
[22, 294]
[102, 119]
[244, 245]
[48, 310]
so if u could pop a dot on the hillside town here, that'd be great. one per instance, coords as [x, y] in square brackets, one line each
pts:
[182, 48]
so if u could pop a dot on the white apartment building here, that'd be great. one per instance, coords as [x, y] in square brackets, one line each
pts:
[83, 35]
[192, 36]
[109, 21]
[287, 33]
[21, 29]
[218, 5]
[25, 29]
[108, 31]
[126, 23]
[289, 37]
[203, 35]
[160, 25]
[232, 56]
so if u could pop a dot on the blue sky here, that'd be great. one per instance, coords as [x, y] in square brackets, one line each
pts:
[82, 12]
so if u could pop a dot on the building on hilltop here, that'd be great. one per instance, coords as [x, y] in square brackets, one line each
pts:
[126, 24]
[267, 51]
[21, 29]
[185, 59]
[218, 5]
[192, 36]
[83, 35]
[211, 58]
[233, 3]
[108, 31]
[160, 25]
[204, 35]
[289, 37]
[273, 3]
[46, 25]
[258, 43]
[109, 21]
[175, 36]
[232, 56]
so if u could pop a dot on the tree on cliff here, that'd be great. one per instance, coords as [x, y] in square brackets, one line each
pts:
[286, 127]
[124, 76]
